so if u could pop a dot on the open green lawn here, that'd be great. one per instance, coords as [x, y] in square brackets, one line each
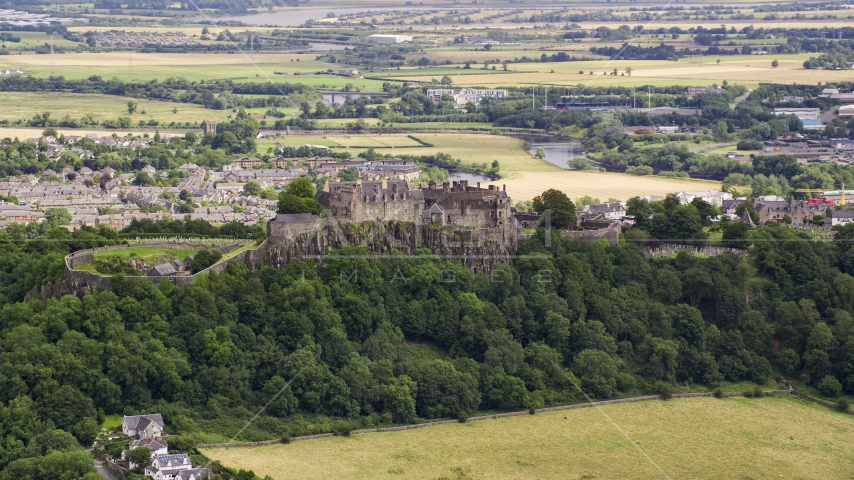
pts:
[112, 421]
[734, 438]
[146, 254]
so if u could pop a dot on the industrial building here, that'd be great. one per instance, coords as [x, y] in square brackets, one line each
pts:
[802, 113]
[390, 38]
[462, 97]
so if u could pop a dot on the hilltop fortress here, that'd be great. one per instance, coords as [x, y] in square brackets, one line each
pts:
[453, 220]
[474, 225]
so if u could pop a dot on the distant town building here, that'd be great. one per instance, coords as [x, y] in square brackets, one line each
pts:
[802, 113]
[464, 96]
[694, 91]
[390, 38]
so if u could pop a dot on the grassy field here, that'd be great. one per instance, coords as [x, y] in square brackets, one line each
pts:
[748, 70]
[527, 185]
[101, 107]
[112, 421]
[146, 254]
[687, 438]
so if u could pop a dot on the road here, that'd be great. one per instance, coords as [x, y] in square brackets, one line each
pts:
[706, 148]
[105, 473]
[740, 99]
[828, 117]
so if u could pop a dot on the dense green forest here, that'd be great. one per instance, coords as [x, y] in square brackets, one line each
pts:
[360, 341]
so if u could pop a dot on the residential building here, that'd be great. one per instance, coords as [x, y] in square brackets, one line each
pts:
[841, 217]
[608, 211]
[166, 467]
[714, 197]
[143, 426]
[157, 447]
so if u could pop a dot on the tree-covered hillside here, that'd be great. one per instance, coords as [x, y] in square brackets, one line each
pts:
[356, 341]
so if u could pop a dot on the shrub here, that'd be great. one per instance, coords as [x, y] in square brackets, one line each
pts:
[842, 404]
[829, 386]
[748, 394]
[625, 382]
[664, 389]
[640, 170]
[285, 440]
[758, 393]
[719, 392]
[463, 417]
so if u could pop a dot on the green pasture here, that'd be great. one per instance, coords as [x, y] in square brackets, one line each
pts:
[146, 254]
[102, 107]
[680, 438]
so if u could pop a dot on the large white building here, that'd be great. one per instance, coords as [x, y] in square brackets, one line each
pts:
[802, 113]
[390, 38]
[464, 96]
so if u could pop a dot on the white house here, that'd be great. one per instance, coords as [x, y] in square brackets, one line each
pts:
[167, 467]
[193, 474]
[841, 217]
[143, 426]
[611, 211]
[715, 197]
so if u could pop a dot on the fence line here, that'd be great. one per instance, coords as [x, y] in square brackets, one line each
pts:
[819, 401]
[484, 417]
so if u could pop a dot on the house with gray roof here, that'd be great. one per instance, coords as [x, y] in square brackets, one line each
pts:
[143, 426]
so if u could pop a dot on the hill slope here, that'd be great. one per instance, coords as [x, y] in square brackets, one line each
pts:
[686, 438]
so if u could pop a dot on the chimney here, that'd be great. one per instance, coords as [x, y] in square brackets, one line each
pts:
[478, 185]
[504, 187]
[431, 185]
[446, 187]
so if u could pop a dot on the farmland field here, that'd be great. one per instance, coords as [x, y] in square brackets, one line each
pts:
[685, 438]
[101, 107]
[527, 185]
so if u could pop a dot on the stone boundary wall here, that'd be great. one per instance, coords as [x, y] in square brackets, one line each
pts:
[487, 417]
[612, 234]
[819, 401]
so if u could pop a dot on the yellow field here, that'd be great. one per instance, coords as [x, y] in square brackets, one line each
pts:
[106, 59]
[527, 185]
[25, 133]
[374, 141]
[737, 69]
[686, 438]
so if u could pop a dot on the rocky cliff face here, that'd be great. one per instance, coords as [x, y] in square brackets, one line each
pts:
[480, 250]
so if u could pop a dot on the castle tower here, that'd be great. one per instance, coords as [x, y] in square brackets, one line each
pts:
[208, 127]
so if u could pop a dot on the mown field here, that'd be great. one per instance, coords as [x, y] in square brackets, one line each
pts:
[102, 107]
[748, 70]
[146, 254]
[576, 184]
[709, 438]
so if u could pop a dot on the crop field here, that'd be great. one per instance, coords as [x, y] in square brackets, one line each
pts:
[684, 438]
[32, 132]
[527, 185]
[374, 141]
[101, 107]
[699, 71]
[192, 66]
